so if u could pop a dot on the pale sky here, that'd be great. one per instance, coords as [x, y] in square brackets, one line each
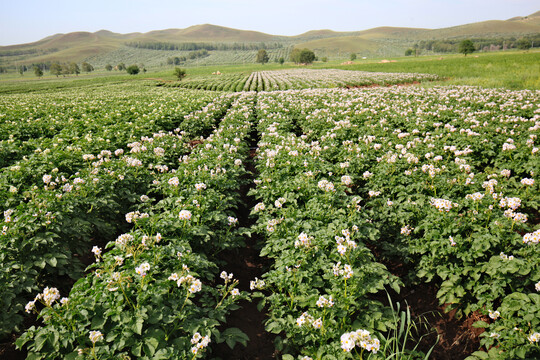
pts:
[31, 20]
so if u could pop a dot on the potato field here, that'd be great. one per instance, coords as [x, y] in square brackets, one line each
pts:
[124, 207]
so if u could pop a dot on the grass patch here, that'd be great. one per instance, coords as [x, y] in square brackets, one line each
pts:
[512, 70]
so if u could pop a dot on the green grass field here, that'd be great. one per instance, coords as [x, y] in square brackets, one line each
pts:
[512, 70]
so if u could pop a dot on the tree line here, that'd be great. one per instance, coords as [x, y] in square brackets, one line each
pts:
[64, 69]
[480, 44]
[190, 46]
[177, 60]
[69, 69]
[20, 52]
[43, 66]
[55, 68]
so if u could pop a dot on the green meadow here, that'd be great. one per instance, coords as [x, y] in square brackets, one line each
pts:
[512, 70]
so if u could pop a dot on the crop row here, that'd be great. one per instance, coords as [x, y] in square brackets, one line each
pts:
[153, 293]
[300, 79]
[444, 181]
[94, 119]
[73, 190]
[323, 279]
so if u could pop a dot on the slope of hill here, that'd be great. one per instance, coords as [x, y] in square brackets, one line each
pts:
[208, 32]
[79, 46]
[488, 29]
[342, 45]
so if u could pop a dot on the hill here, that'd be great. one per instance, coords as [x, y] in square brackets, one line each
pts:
[380, 41]
[210, 33]
[392, 41]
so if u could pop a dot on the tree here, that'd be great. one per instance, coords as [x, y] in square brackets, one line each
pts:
[281, 61]
[56, 69]
[523, 44]
[86, 67]
[409, 52]
[74, 69]
[302, 56]
[353, 56]
[307, 56]
[108, 67]
[66, 70]
[38, 71]
[262, 56]
[466, 47]
[179, 73]
[132, 69]
[21, 69]
[121, 66]
[324, 59]
[295, 55]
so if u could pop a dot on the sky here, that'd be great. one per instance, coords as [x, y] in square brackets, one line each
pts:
[32, 20]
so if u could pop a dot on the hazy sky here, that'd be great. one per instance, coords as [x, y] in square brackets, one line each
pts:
[32, 20]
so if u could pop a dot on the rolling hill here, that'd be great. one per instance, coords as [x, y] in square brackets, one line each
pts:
[81, 46]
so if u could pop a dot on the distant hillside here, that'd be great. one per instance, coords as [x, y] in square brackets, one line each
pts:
[208, 32]
[343, 45]
[392, 41]
[380, 41]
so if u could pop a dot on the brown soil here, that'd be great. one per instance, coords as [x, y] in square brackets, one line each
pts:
[246, 264]
[245, 267]
[8, 351]
[457, 337]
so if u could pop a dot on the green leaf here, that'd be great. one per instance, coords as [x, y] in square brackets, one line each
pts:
[480, 355]
[265, 251]
[480, 324]
[494, 353]
[98, 321]
[261, 304]
[287, 357]
[521, 352]
[40, 341]
[137, 327]
[274, 327]
[52, 261]
[40, 263]
[231, 343]
[329, 357]
[233, 336]
[151, 345]
[21, 341]
[72, 356]
[136, 349]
